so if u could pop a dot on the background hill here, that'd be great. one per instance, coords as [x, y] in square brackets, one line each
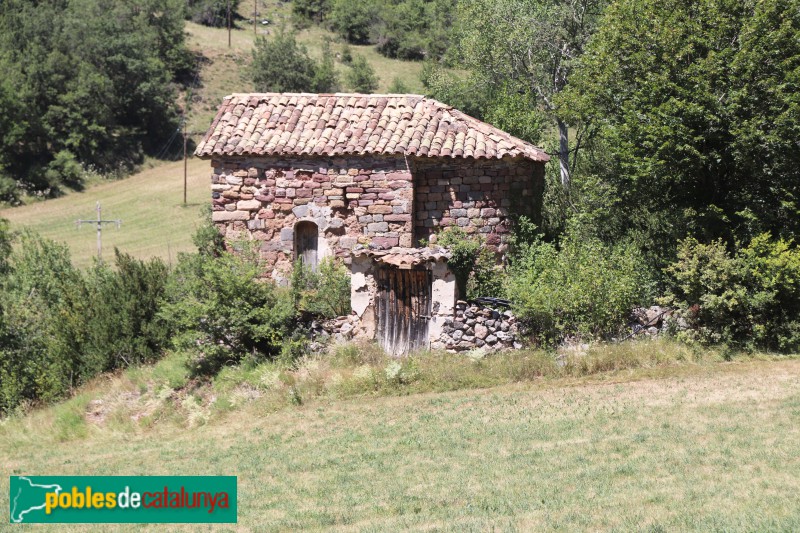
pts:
[149, 202]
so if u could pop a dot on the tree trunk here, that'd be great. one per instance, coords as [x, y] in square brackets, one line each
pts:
[563, 153]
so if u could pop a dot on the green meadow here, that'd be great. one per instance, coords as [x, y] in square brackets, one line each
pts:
[681, 445]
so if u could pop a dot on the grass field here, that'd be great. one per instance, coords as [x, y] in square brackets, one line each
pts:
[150, 205]
[704, 447]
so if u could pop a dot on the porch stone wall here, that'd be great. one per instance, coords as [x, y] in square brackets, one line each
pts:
[478, 196]
[363, 200]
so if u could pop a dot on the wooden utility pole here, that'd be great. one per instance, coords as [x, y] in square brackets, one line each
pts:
[229, 23]
[255, 16]
[99, 223]
[185, 159]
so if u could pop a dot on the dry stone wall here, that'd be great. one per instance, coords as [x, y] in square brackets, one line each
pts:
[479, 326]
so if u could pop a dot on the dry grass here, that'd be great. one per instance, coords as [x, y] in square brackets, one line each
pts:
[154, 221]
[662, 444]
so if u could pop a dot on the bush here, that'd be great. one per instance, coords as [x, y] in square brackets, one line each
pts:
[750, 298]
[212, 13]
[325, 293]
[473, 265]
[312, 10]
[362, 78]
[225, 312]
[583, 288]
[352, 20]
[60, 327]
[283, 65]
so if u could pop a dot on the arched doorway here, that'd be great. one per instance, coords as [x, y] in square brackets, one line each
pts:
[306, 236]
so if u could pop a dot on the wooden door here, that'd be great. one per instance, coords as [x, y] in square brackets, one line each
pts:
[306, 236]
[403, 309]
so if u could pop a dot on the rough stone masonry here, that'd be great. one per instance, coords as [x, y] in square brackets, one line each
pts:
[381, 202]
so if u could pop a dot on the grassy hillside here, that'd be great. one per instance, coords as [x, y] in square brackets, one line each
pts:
[154, 221]
[691, 447]
[149, 202]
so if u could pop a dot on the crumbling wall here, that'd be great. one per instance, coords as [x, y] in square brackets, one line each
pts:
[478, 196]
[478, 326]
[363, 200]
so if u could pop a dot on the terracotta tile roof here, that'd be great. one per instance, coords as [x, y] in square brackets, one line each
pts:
[342, 124]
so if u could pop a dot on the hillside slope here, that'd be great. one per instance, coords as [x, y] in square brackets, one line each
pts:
[149, 203]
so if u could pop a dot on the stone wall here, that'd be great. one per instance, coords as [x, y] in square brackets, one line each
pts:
[363, 200]
[378, 201]
[478, 196]
[478, 326]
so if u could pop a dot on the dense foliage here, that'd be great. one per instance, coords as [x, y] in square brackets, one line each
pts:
[750, 298]
[582, 287]
[324, 293]
[361, 77]
[472, 263]
[281, 64]
[223, 312]
[60, 326]
[85, 84]
[402, 29]
[694, 119]
[211, 12]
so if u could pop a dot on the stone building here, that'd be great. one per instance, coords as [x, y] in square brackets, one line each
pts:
[369, 179]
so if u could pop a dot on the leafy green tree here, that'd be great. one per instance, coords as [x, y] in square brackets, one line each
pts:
[694, 118]
[313, 10]
[415, 29]
[362, 78]
[282, 64]
[353, 20]
[212, 13]
[87, 84]
[530, 47]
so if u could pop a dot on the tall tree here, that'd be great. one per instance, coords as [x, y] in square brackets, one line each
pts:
[529, 46]
[85, 82]
[281, 64]
[696, 115]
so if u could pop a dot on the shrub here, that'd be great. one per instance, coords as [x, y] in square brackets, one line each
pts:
[352, 20]
[225, 312]
[212, 13]
[312, 10]
[60, 326]
[750, 298]
[473, 265]
[362, 77]
[282, 65]
[582, 287]
[323, 293]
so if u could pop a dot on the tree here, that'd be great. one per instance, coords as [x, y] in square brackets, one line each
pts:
[282, 64]
[212, 13]
[529, 46]
[86, 84]
[362, 77]
[694, 117]
[353, 20]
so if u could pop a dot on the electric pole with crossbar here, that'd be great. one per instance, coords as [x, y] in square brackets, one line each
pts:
[99, 222]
